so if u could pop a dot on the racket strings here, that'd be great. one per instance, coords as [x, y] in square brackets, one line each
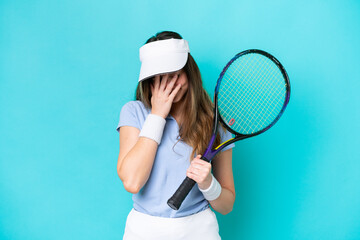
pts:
[253, 89]
[251, 94]
[242, 100]
[267, 102]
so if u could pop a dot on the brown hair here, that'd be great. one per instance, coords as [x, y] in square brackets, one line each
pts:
[196, 128]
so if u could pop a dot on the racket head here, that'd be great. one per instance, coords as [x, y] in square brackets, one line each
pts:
[251, 93]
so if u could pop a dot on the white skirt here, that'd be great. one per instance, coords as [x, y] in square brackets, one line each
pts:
[202, 225]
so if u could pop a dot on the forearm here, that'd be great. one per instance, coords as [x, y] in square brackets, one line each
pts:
[224, 203]
[136, 166]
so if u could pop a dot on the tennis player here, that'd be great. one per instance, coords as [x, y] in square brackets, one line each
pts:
[162, 135]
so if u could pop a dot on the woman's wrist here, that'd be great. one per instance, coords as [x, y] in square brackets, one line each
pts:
[153, 127]
[207, 183]
[158, 114]
[213, 191]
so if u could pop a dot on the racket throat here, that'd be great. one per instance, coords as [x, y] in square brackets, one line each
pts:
[208, 155]
[205, 159]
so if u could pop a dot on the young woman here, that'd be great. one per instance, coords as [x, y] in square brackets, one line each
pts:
[162, 134]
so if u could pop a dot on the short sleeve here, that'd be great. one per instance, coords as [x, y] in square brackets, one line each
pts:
[225, 135]
[129, 116]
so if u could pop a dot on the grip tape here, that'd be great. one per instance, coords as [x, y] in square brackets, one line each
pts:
[176, 200]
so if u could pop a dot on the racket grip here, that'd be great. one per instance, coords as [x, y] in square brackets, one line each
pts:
[176, 200]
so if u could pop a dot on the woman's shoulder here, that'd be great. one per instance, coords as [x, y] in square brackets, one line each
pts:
[135, 108]
[133, 114]
[135, 105]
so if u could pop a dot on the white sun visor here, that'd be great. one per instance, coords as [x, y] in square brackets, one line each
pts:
[163, 56]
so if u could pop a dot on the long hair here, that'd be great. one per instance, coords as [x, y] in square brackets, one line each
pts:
[196, 128]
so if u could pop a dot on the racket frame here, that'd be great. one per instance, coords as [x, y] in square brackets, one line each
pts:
[210, 152]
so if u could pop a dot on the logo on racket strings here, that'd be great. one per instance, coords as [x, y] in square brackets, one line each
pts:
[231, 122]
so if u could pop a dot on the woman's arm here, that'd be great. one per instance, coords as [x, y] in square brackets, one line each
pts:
[135, 159]
[200, 171]
[137, 154]
[222, 170]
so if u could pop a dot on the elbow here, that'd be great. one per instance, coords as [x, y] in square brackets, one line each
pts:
[227, 205]
[223, 209]
[226, 211]
[131, 188]
[130, 182]
[229, 208]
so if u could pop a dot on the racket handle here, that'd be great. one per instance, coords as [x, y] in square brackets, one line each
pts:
[176, 200]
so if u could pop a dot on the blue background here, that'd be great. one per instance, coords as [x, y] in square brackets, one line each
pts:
[67, 67]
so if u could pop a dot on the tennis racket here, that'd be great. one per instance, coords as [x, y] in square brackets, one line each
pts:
[251, 94]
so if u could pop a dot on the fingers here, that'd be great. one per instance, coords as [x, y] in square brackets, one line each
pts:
[197, 161]
[200, 172]
[167, 80]
[157, 82]
[174, 92]
[193, 176]
[199, 168]
[170, 83]
[165, 84]
[152, 88]
[163, 93]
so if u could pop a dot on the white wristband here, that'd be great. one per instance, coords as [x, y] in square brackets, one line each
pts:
[153, 128]
[214, 191]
